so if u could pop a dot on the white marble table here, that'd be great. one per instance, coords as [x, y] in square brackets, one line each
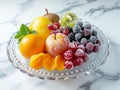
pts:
[103, 13]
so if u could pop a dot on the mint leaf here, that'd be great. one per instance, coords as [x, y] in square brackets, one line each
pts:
[24, 29]
[20, 38]
[18, 35]
[27, 30]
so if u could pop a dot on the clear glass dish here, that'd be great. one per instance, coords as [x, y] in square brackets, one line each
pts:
[95, 60]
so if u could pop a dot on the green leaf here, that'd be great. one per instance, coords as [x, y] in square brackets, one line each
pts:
[20, 38]
[27, 30]
[17, 35]
[24, 29]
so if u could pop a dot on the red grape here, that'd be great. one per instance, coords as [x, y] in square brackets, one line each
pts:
[52, 27]
[96, 48]
[57, 24]
[85, 58]
[68, 64]
[79, 53]
[66, 32]
[78, 61]
[73, 46]
[68, 55]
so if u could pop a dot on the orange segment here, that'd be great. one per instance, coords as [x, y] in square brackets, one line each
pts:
[59, 61]
[49, 63]
[36, 61]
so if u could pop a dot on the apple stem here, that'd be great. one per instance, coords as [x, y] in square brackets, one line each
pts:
[46, 10]
[55, 36]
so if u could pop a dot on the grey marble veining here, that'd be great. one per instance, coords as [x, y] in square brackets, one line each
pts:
[71, 4]
[23, 7]
[106, 77]
[104, 9]
[98, 75]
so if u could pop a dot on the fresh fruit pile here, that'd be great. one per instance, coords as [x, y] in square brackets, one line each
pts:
[57, 43]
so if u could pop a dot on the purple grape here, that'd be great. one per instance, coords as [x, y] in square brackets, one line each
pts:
[78, 36]
[76, 29]
[77, 43]
[94, 32]
[87, 26]
[93, 39]
[71, 37]
[89, 47]
[83, 41]
[79, 23]
[96, 48]
[87, 32]
[82, 28]
[81, 47]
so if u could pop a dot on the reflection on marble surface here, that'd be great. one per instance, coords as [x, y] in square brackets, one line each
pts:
[103, 13]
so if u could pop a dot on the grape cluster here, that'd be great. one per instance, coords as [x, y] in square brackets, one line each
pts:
[75, 55]
[85, 35]
[84, 40]
[78, 32]
[56, 28]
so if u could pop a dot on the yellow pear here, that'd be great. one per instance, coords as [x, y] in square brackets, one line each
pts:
[40, 24]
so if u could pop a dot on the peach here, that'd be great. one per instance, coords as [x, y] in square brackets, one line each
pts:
[56, 44]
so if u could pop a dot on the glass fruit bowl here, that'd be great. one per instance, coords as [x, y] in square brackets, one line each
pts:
[95, 60]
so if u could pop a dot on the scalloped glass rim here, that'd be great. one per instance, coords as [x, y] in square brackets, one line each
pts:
[95, 61]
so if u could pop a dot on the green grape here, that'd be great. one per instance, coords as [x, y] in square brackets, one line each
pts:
[68, 19]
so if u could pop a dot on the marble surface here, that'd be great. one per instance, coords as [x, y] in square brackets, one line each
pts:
[103, 13]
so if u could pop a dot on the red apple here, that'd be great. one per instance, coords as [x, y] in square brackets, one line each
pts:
[56, 44]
